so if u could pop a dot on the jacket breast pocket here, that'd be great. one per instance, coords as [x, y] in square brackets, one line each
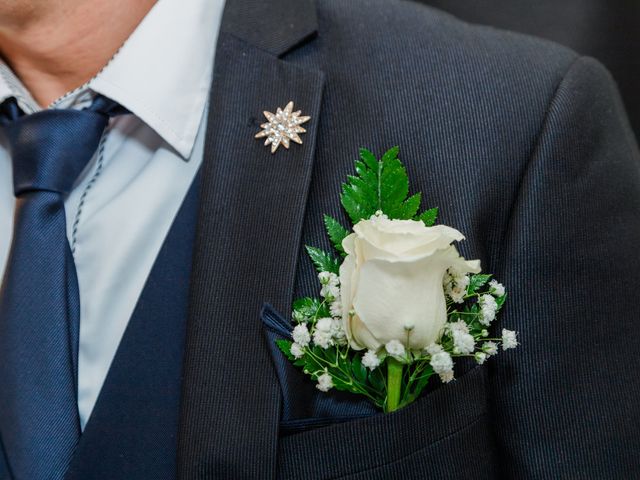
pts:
[444, 434]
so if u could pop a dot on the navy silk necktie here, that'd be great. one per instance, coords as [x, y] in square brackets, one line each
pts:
[39, 298]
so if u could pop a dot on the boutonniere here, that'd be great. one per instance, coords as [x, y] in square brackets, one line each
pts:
[397, 304]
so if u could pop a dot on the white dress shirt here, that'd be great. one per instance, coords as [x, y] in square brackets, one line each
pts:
[124, 203]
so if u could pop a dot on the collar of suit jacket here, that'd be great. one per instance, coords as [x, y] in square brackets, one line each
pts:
[276, 26]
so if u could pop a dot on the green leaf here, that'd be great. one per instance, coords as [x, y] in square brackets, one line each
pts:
[336, 232]
[369, 159]
[379, 185]
[429, 216]
[285, 347]
[354, 204]
[313, 363]
[359, 372]
[419, 384]
[411, 206]
[377, 380]
[323, 261]
[500, 301]
[309, 309]
[476, 282]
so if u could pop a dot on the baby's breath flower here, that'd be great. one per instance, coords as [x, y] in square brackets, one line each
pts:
[322, 339]
[370, 360]
[328, 278]
[490, 348]
[301, 335]
[455, 285]
[480, 357]
[330, 292]
[460, 289]
[484, 333]
[463, 342]
[296, 350]
[457, 294]
[336, 330]
[433, 348]
[324, 324]
[446, 377]
[443, 365]
[496, 288]
[488, 307]
[324, 277]
[509, 339]
[459, 326]
[336, 308]
[395, 348]
[299, 317]
[325, 383]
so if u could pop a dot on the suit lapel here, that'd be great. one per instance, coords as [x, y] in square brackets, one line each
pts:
[250, 223]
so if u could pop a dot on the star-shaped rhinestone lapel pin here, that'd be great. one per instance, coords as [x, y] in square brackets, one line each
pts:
[282, 127]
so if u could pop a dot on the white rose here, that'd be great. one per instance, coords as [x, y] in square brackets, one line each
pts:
[391, 281]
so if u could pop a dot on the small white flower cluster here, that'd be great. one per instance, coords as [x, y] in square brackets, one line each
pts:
[395, 349]
[441, 362]
[325, 383]
[301, 339]
[488, 308]
[370, 360]
[465, 344]
[496, 288]
[488, 304]
[455, 285]
[459, 341]
[509, 339]
[330, 291]
[463, 341]
[324, 332]
[490, 348]
[329, 332]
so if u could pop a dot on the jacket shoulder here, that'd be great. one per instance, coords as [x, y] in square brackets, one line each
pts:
[410, 35]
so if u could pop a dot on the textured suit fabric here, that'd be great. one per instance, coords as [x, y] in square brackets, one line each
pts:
[132, 431]
[525, 147]
[605, 30]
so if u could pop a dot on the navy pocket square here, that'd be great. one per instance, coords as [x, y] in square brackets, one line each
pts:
[304, 406]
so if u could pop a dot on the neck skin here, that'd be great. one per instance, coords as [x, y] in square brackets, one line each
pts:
[54, 46]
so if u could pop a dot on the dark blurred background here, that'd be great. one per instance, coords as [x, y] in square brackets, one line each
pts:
[608, 30]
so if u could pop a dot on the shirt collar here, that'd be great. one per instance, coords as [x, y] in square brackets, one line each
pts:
[162, 73]
[11, 86]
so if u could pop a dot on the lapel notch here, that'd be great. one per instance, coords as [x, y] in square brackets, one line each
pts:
[274, 26]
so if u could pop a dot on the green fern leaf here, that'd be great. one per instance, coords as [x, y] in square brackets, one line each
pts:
[429, 216]
[323, 261]
[410, 206]
[379, 185]
[336, 232]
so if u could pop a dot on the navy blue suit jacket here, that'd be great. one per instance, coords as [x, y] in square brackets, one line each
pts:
[524, 146]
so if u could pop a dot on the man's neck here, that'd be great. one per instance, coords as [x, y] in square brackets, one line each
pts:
[56, 46]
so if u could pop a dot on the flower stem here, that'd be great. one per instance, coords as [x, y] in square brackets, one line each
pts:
[394, 383]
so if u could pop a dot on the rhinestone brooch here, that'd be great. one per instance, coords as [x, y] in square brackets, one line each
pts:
[282, 127]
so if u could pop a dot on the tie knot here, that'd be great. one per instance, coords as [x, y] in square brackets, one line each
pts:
[50, 148]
